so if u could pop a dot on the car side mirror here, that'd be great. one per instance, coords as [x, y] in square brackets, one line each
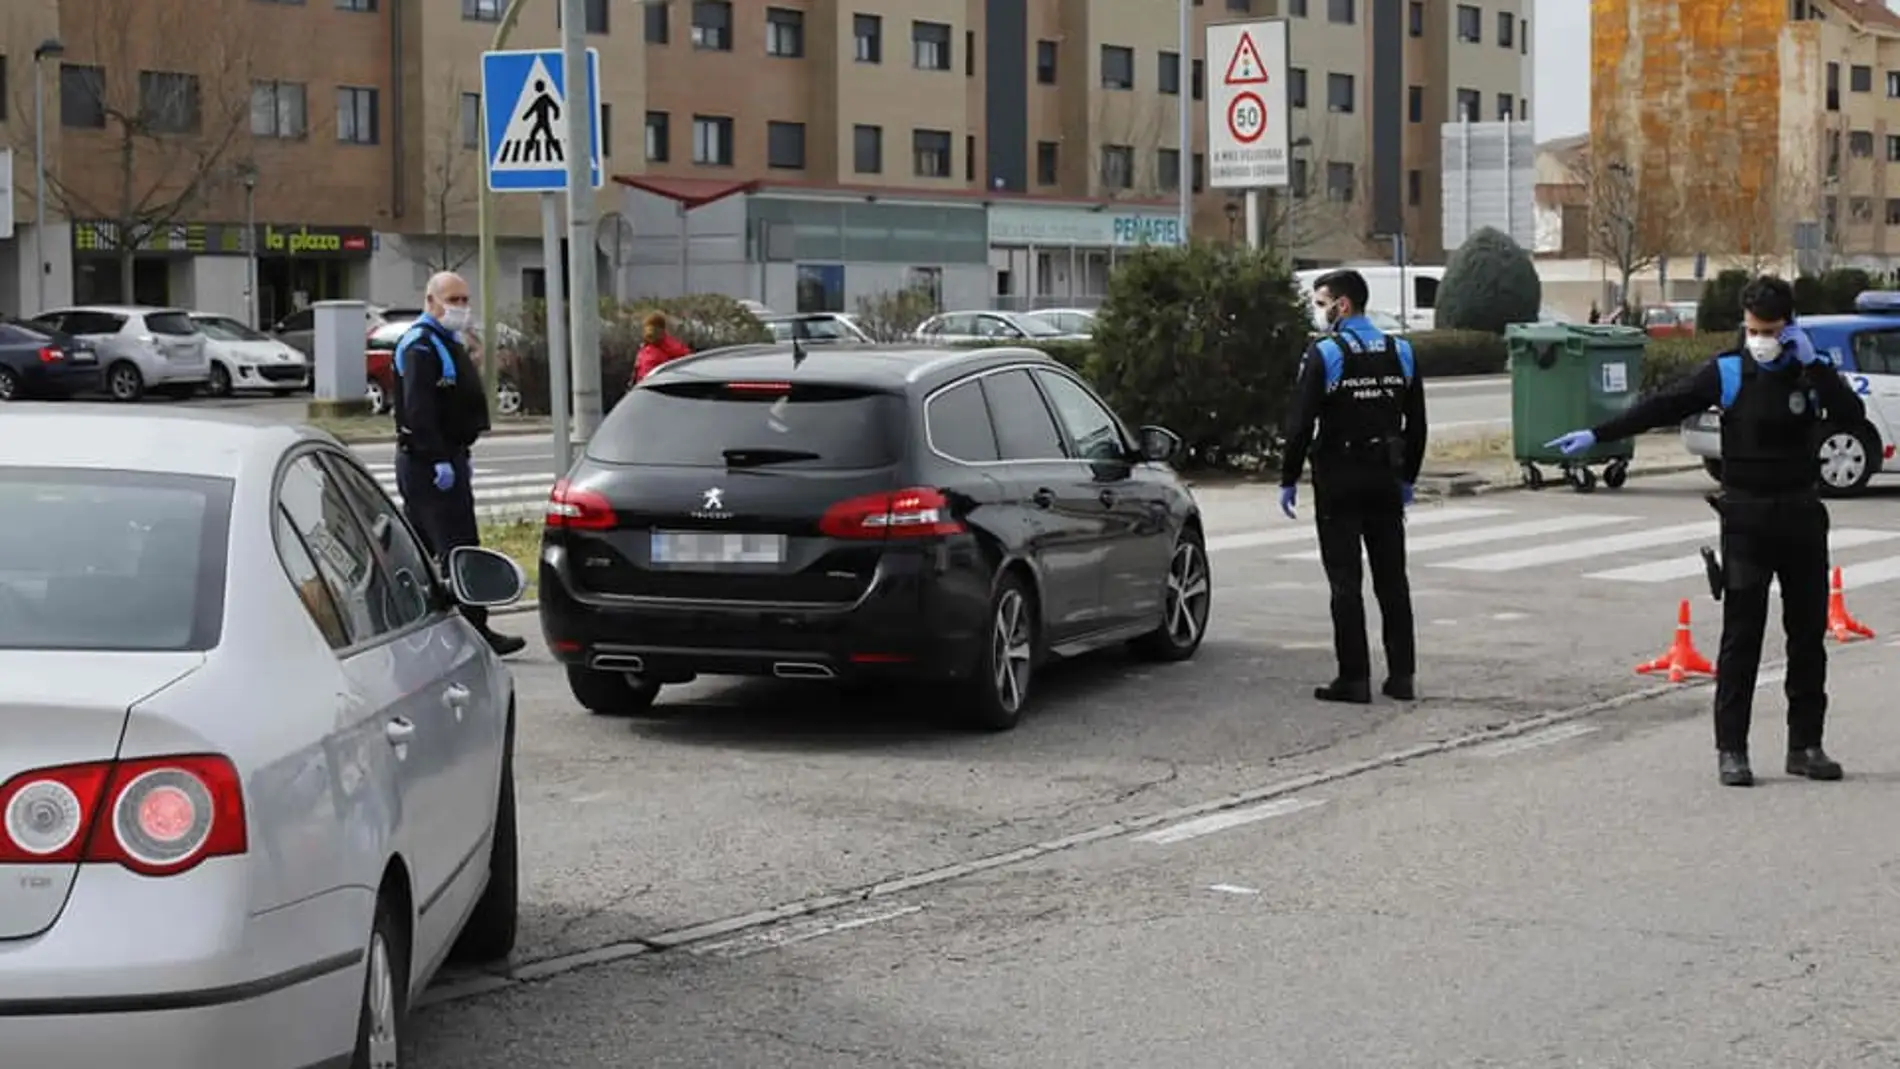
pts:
[1159, 444]
[483, 578]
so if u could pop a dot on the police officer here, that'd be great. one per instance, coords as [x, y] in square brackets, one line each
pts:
[1362, 388]
[1775, 398]
[441, 409]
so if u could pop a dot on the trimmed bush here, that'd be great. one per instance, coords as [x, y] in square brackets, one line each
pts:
[1667, 359]
[1205, 342]
[1489, 283]
[1444, 354]
[701, 320]
[1719, 311]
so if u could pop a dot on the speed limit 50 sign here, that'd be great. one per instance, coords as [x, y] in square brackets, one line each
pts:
[1247, 138]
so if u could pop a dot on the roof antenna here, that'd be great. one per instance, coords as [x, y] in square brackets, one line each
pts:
[798, 352]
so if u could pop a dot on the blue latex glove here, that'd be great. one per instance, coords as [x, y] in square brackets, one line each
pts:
[444, 475]
[1288, 495]
[1405, 492]
[1572, 443]
[1803, 345]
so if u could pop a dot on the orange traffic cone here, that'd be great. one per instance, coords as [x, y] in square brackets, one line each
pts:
[1682, 657]
[1840, 626]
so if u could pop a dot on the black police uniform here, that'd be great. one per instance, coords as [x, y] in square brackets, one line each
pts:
[1361, 386]
[1774, 526]
[441, 408]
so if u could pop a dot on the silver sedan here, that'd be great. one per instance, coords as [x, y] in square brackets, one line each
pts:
[256, 771]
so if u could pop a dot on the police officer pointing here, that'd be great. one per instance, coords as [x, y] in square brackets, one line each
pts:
[1774, 399]
[441, 409]
[1362, 388]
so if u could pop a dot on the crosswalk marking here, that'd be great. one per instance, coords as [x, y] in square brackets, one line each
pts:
[1305, 532]
[1498, 533]
[1559, 552]
[1685, 566]
[1873, 573]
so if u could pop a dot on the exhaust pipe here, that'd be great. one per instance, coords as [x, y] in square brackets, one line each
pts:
[801, 670]
[617, 662]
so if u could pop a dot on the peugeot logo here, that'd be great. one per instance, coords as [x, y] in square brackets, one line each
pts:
[715, 500]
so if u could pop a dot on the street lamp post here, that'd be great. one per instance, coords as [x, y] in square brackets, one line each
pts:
[247, 173]
[48, 49]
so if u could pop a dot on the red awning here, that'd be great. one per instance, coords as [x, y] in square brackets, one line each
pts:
[689, 192]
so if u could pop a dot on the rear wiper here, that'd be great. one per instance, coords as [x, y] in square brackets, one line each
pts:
[755, 456]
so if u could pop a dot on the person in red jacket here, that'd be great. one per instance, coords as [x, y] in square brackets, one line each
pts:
[658, 346]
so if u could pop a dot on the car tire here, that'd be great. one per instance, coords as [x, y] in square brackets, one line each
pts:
[1187, 602]
[219, 384]
[385, 1006]
[1849, 456]
[611, 693]
[507, 399]
[373, 393]
[125, 382]
[489, 935]
[1006, 667]
[1713, 467]
[9, 384]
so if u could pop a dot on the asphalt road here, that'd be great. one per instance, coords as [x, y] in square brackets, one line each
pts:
[1600, 905]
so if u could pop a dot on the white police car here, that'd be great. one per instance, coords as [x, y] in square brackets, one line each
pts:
[1865, 346]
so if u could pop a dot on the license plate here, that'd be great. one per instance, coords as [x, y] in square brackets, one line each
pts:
[716, 547]
[85, 356]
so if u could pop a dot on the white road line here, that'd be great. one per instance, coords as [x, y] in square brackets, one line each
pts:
[1547, 737]
[1500, 533]
[1305, 532]
[1770, 678]
[1558, 552]
[789, 934]
[1233, 818]
[1691, 565]
[1855, 576]
[1233, 889]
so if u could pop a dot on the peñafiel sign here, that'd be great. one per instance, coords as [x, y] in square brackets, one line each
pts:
[99, 238]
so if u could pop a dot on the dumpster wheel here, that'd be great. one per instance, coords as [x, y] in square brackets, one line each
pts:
[1533, 478]
[1580, 478]
[1615, 473]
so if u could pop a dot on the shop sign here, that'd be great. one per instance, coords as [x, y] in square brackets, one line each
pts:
[91, 237]
[1021, 225]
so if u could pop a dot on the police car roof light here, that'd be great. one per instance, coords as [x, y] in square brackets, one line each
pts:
[1877, 301]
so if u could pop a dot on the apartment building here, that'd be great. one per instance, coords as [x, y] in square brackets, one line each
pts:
[1752, 128]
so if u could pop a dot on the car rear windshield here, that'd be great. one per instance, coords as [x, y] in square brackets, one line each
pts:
[717, 424]
[170, 323]
[229, 330]
[111, 560]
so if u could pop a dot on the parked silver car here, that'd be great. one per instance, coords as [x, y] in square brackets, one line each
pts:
[959, 328]
[256, 771]
[142, 348]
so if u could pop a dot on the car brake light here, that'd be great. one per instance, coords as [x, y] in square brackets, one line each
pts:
[913, 512]
[50, 355]
[759, 387]
[574, 509]
[156, 816]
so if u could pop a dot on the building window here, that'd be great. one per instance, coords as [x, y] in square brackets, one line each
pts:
[280, 109]
[1296, 8]
[482, 10]
[1523, 37]
[930, 46]
[712, 140]
[928, 281]
[1507, 27]
[785, 145]
[356, 5]
[1168, 168]
[471, 120]
[1168, 73]
[1198, 75]
[969, 53]
[169, 102]
[659, 30]
[868, 32]
[1861, 209]
[659, 137]
[1339, 182]
[1893, 211]
[1046, 62]
[1414, 187]
[1296, 178]
[1118, 167]
[82, 95]
[1341, 11]
[930, 153]
[1415, 18]
[784, 32]
[1118, 67]
[1860, 79]
[1414, 103]
[1833, 87]
[867, 149]
[595, 17]
[1860, 144]
[1339, 92]
[969, 157]
[606, 130]
[1470, 24]
[1296, 87]
[1242, 7]
[1504, 107]
[1046, 163]
[712, 25]
[355, 115]
[1468, 105]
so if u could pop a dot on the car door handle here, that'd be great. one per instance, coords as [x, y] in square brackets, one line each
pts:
[1107, 498]
[1044, 498]
[399, 731]
[455, 696]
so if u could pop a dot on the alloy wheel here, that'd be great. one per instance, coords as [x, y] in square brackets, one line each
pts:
[1187, 594]
[9, 384]
[1843, 460]
[373, 393]
[507, 399]
[1010, 646]
[125, 382]
[383, 1041]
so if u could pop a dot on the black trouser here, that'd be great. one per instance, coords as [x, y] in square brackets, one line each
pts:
[1766, 538]
[444, 518]
[1358, 503]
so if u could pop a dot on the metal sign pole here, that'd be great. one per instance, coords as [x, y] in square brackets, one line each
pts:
[557, 333]
[583, 283]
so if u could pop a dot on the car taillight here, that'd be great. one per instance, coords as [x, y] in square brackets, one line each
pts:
[571, 508]
[759, 387]
[913, 512]
[50, 355]
[157, 816]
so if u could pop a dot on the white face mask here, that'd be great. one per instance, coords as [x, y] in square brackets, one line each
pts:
[1764, 348]
[454, 318]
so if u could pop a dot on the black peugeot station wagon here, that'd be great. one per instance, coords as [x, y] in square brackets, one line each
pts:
[863, 512]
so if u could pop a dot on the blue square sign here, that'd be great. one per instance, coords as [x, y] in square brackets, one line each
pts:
[524, 115]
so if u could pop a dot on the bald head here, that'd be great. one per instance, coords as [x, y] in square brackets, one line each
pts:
[447, 290]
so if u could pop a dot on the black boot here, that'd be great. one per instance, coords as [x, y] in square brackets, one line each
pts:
[1814, 763]
[503, 645]
[1734, 769]
[1400, 688]
[1356, 691]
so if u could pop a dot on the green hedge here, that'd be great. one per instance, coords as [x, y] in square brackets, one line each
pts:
[1667, 359]
[1440, 353]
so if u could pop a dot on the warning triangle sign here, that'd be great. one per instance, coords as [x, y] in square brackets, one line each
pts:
[535, 138]
[1246, 68]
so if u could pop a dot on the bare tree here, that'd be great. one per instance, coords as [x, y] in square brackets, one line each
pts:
[1322, 209]
[1127, 160]
[154, 98]
[1631, 226]
[451, 187]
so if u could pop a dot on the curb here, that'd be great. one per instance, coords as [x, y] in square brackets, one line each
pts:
[390, 439]
[1479, 485]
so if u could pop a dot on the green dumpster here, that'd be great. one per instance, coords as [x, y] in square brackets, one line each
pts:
[1568, 377]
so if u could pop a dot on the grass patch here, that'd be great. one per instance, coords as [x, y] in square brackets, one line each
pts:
[520, 539]
[1467, 449]
[354, 428]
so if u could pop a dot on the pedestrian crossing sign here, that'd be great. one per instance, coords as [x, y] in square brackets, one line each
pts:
[524, 120]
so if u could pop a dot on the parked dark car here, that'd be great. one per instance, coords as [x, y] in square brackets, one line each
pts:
[856, 511]
[38, 362]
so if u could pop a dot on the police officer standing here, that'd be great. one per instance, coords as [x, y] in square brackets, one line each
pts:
[1361, 387]
[1775, 399]
[441, 408]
